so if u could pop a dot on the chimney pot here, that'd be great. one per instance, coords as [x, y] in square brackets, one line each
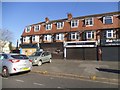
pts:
[69, 15]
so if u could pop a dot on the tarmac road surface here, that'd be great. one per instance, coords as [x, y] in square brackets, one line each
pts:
[36, 80]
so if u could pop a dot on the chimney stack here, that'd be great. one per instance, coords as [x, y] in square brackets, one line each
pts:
[69, 15]
[46, 19]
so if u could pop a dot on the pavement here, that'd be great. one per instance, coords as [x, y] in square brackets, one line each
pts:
[106, 71]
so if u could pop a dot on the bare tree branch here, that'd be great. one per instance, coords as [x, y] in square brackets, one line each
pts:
[5, 36]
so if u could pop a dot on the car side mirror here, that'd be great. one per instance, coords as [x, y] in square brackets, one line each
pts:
[43, 55]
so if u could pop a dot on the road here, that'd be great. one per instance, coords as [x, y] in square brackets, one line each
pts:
[35, 80]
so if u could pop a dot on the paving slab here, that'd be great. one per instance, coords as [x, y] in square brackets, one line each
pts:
[95, 70]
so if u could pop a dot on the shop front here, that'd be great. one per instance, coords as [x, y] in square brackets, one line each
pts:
[81, 50]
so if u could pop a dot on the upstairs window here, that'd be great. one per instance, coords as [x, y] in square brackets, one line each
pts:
[109, 34]
[108, 19]
[75, 36]
[60, 25]
[48, 38]
[48, 26]
[26, 39]
[36, 28]
[59, 36]
[35, 38]
[27, 29]
[90, 35]
[89, 21]
[74, 23]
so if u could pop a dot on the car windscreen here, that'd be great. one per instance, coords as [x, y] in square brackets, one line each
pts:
[36, 54]
[19, 56]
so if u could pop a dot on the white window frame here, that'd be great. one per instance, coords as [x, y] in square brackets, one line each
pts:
[91, 33]
[60, 36]
[74, 22]
[37, 38]
[26, 29]
[104, 18]
[110, 32]
[35, 28]
[26, 39]
[74, 34]
[89, 20]
[60, 25]
[33, 38]
[48, 27]
[48, 38]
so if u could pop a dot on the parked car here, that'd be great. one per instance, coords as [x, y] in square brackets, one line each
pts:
[14, 63]
[40, 57]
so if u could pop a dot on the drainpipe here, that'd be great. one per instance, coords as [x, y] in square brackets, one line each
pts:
[38, 45]
[65, 53]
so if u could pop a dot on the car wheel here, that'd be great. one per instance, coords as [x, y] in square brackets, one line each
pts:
[50, 61]
[39, 63]
[5, 72]
[28, 71]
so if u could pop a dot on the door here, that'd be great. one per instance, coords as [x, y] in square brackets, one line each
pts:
[82, 53]
[43, 57]
[110, 53]
[47, 56]
[75, 53]
[90, 53]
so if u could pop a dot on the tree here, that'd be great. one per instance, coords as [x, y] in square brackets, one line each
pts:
[10, 46]
[5, 37]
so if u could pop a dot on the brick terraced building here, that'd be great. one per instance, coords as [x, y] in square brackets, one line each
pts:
[91, 37]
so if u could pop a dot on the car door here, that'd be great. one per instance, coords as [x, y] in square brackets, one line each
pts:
[43, 57]
[47, 56]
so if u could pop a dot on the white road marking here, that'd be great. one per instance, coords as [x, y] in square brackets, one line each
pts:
[58, 87]
[38, 84]
[19, 80]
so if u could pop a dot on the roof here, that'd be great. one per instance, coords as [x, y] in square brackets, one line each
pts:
[80, 17]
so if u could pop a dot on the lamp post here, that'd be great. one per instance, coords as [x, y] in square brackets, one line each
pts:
[99, 49]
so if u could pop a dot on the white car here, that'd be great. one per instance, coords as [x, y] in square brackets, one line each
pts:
[14, 63]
